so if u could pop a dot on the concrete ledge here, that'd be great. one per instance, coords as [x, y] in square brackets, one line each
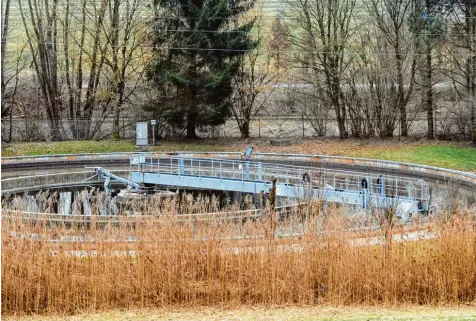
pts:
[350, 163]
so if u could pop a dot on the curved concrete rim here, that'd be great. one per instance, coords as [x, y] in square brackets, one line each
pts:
[391, 166]
[347, 162]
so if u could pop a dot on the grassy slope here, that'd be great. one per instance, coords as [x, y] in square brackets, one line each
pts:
[275, 314]
[463, 158]
[442, 154]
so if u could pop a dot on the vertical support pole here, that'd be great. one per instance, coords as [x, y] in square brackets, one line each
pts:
[181, 165]
[396, 188]
[381, 190]
[422, 187]
[409, 190]
[365, 186]
[153, 135]
[260, 174]
[364, 198]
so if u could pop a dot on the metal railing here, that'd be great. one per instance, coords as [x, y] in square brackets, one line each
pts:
[320, 178]
[370, 164]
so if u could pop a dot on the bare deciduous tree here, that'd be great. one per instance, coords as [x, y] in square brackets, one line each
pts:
[253, 84]
[371, 90]
[127, 35]
[463, 73]
[326, 27]
[391, 18]
[83, 55]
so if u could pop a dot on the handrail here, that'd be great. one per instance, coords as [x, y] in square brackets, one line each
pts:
[289, 174]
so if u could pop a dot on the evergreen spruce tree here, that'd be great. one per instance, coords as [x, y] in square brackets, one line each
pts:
[198, 50]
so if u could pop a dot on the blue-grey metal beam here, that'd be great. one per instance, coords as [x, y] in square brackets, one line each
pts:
[327, 194]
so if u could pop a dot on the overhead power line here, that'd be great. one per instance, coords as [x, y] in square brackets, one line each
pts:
[351, 53]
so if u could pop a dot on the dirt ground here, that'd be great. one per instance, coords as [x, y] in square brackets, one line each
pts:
[274, 314]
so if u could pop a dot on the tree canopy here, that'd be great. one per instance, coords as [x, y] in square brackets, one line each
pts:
[197, 49]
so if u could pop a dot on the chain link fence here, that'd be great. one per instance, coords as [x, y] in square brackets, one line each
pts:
[32, 129]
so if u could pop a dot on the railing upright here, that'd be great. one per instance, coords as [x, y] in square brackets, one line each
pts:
[396, 187]
[242, 172]
[422, 188]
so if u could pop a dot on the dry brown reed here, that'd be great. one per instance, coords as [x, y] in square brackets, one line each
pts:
[231, 264]
[169, 203]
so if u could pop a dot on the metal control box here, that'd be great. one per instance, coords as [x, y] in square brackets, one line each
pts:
[142, 134]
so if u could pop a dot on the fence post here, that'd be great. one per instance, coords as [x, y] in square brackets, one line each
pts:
[302, 117]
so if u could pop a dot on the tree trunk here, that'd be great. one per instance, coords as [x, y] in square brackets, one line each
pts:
[10, 130]
[5, 20]
[340, 111]
[473, 75]
[401, 98]
[116, 133]
[55, 133]
[245, 129]
[191, 127]
[117, 75]
[429, 92]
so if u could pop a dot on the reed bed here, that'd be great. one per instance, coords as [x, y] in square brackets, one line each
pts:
[232, 264]
[170, 204]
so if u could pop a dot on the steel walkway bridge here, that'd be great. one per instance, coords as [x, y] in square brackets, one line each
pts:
[407, 196]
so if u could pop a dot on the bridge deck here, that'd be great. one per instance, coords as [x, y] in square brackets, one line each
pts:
[364, 189]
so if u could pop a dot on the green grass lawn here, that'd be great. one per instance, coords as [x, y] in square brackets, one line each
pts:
[90, 146]
[462, 158]
[440, 154]
[67, 147]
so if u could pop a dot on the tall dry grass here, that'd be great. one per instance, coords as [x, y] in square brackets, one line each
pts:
[206, 264]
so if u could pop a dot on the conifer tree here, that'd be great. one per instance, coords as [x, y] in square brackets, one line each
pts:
[198, 50]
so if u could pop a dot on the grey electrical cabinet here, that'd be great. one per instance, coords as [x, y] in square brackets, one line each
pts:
[142, 138]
